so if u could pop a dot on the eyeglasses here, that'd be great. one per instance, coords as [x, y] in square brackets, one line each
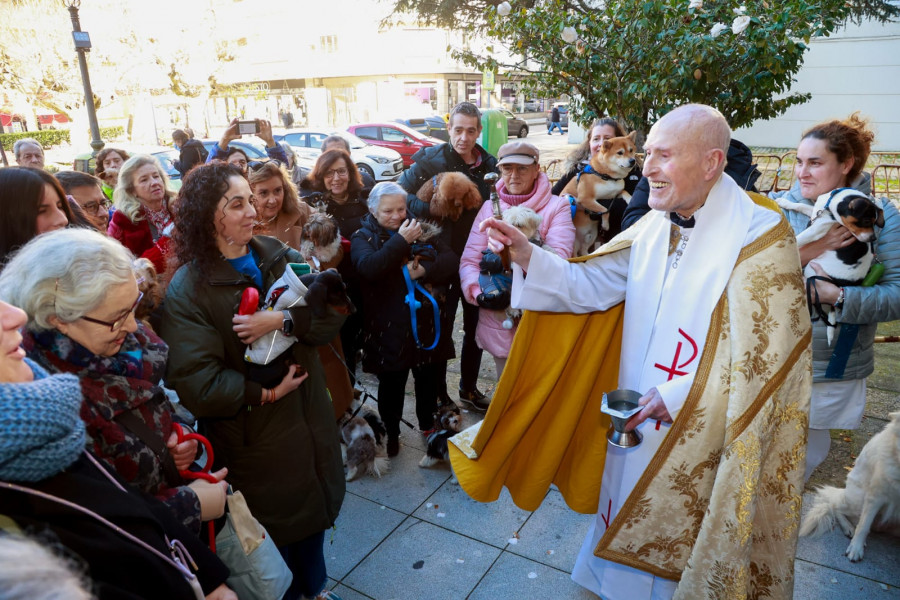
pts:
[120, 322]
[342, 172]
[91, 207]
[520, 169]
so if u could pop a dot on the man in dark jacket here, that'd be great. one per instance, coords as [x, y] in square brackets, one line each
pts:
[463, 155]
[739, 165]
[192, 152]
[554, 121]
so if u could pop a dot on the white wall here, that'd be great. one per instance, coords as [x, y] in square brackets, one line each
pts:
[857, 68]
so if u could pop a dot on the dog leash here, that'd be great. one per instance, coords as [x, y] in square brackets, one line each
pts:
[202, 474]
[415, 305]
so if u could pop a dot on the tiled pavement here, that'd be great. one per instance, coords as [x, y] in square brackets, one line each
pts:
[415, 535]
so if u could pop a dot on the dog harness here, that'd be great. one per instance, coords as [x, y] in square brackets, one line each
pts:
[415, 305]
[573, 206]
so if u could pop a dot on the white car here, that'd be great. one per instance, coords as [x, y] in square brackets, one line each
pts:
[382, 164]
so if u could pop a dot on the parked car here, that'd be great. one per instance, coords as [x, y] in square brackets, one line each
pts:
[395, 136]
[532, 106]
[381, 164]
[516, 127]
[87, 163]
[254, 148]
[433, 126]
[563, 113]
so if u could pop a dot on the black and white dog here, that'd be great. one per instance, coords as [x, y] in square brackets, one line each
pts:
[363, 447]
[848, 265]
[448, 423]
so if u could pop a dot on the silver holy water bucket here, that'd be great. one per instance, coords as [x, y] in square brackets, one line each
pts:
[621, 405]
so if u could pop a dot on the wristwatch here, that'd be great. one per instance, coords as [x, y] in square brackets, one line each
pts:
[287, 325]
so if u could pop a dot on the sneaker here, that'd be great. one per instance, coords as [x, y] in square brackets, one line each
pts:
[474, 399]
[393, 446]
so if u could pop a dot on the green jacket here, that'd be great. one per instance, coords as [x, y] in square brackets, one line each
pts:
[284, 457]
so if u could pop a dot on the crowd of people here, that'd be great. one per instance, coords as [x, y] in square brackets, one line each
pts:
[123, 328]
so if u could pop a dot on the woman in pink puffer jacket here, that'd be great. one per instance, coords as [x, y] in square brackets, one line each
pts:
[521, 184]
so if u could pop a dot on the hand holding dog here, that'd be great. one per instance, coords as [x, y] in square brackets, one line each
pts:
[836, 237]
[654, 408]
[183, 454]
[291, 381]
[828, 292]
[415, 271]
[410, 230]
[500, 234]
[252, 327]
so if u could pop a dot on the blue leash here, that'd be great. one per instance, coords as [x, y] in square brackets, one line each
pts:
[415, 305]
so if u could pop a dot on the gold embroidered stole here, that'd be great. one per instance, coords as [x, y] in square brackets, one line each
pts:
[719, 505]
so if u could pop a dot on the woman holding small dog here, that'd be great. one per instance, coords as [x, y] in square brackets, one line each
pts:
[381, 252]
[280, 444]
[81, 321]
[521, 184]
[830, 156]
[600, 131]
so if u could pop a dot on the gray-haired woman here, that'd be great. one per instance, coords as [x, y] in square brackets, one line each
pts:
[142, 220]
[79, 292]
[381, 250]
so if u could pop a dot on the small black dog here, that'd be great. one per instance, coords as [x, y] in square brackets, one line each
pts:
[449, 421]
[326, 289]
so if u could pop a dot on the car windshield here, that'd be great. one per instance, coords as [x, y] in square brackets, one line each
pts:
[167, 159]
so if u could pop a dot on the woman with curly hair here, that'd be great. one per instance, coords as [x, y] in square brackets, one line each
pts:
[142, 221]
[279, 210]
[32, 202]
[109, 161]
[280, 444]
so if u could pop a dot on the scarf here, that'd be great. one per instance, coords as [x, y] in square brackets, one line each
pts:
[160, 219]
[42, 433]
[112, 385]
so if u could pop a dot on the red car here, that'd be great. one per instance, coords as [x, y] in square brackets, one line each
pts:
[395, 136]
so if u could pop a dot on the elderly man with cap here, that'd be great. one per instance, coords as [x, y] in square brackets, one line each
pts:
[698, 313]
[545, 218]
[28, 153]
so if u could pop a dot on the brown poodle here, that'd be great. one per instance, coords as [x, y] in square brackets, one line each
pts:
[449, 194]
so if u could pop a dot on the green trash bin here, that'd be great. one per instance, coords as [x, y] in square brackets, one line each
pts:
[494, 130]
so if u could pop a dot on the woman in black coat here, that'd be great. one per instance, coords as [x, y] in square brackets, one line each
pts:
[381, 250]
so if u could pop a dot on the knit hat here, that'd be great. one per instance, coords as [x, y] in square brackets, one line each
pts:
[41, 432]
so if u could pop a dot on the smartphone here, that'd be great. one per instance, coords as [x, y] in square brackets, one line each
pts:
[248, 127]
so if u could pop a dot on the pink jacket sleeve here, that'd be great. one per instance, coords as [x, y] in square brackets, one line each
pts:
[471, 256]
[561, 231]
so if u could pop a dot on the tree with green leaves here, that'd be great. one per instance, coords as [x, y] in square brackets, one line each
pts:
[638, 60]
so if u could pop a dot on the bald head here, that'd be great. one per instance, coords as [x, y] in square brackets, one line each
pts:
[685, 152]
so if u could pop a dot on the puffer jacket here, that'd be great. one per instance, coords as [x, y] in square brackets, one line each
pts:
[865, 306]
[283, 456]
[439, 159]
[388, 342]
[557, 233]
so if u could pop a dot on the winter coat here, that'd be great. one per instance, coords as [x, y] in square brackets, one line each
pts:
[119, 568]
[865, 306]
[193, 153]
[554, 115]
[286, 227]
[140, 237]
[283, 456]
[739, 166]
[275, 153]
[388, 342]
[113, 386]
[440, 159]
[557, 232]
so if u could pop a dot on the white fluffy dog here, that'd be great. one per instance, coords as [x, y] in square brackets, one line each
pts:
[870, 497]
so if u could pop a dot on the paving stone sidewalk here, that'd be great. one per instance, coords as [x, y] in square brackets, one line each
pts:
[415, 535]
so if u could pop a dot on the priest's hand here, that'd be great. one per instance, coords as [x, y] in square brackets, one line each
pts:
[654, 408]
[501, 234]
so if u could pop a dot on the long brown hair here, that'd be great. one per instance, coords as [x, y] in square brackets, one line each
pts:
[317, 177]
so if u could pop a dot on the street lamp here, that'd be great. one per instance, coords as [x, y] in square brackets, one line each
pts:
[82, 45]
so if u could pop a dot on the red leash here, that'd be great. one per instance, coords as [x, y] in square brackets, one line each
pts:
[204, 474]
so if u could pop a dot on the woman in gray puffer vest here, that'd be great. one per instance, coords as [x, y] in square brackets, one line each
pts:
[832, 155]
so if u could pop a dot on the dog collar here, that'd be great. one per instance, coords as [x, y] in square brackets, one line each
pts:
[589, 169]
